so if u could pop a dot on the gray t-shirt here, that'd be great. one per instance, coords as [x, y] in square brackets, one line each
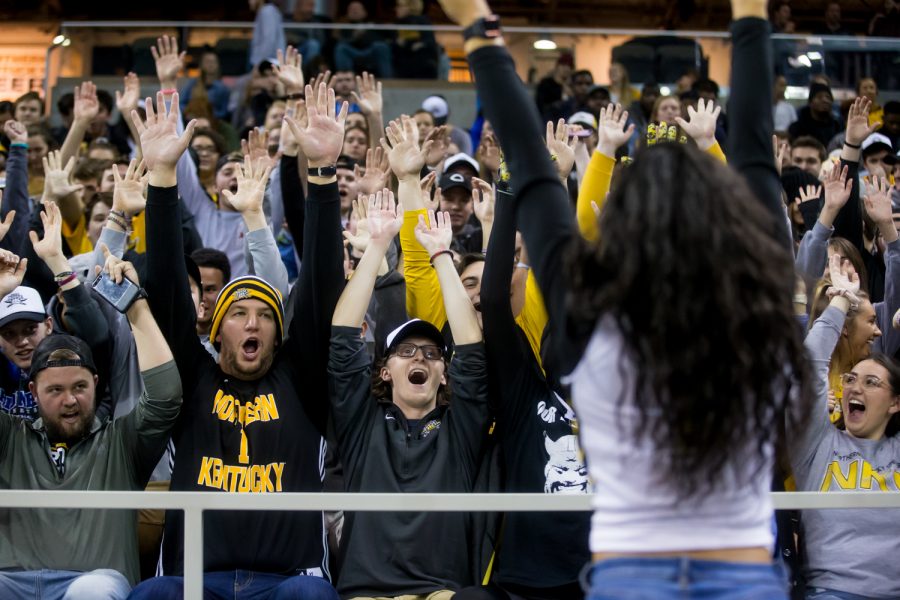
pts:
[850, 550]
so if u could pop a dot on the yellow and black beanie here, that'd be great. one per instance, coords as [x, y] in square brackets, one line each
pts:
[244, 288]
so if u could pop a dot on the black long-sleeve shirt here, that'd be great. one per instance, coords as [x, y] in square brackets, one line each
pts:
[537, 429]
[15, 197]
[250, 436]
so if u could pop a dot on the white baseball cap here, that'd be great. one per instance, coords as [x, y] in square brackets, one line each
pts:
[877, 138]
[460, 158]
[583, 118]
[437, 106]
[22, 303]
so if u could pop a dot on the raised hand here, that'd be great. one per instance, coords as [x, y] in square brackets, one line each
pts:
[16, 132]
[368, 98]
[290, 70]
[385, 218]
[168, 60]
[323, 137]
[287, 143]
[50, 246]
[128, 193]
[611, 130]
[12, 271]
[160, 141]
[701, 123]
[127, 100]
[251, 180]
[878, 201]
[117, 268]
[359, 236]
[483, 200]
[562, 150]
[837, 189]
[465, 12]
[377, 171]
[436, 235]
[488, 153]
[811, 192]
[858, 128]
[57, 178]
[426, 185]
[87, 106]
[321, 78]
[440, 136]
[8, 221]
[843, 275]
[257, 147]
[402, 146]
[779, 149]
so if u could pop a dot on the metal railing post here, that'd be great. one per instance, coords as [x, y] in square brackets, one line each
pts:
[193, 552]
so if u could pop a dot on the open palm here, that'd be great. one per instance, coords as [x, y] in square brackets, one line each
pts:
[404, 154]
[160, 141]
[251, 181]
[384, 217]
[12, 271]
[436, 235]
[323, 137]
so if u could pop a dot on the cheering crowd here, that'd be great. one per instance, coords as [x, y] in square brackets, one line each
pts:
[668, 306]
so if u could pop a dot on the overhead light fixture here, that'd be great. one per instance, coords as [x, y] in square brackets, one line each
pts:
[665, 91]
[66, 43]
[814, 55]
[544, 42]
[59, 39]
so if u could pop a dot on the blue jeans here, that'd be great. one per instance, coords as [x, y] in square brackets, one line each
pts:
[345, 55]
[240, 585]
[46, 584]
[823, 594]
[684, 579]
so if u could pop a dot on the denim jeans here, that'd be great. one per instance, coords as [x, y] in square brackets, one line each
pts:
[345, 56]
[684, 579]
[240, 585]
[46, 584]
[823, 594]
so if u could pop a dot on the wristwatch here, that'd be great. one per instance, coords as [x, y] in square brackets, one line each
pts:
[487, 28]
[322, 171]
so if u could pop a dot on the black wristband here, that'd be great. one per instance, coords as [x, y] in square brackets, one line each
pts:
[295, 96]
[487, 28]
[854, 146]
[322, 171]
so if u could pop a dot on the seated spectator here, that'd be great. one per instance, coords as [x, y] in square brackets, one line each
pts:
[641, 110]
[60, 554]
[29, 109]
[598, 98]
[554, 87]
[783, 112]
[580, 83]
[867, 87]
[808, 153]
[310, 42]
[211, 85]
[414, 53]
[268, 32]
[816, 119]
[397, 433]
[620, 89]
[361, 49]
[665, 110]
[859, 457]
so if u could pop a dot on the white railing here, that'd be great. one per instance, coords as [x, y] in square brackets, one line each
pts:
[194, 503]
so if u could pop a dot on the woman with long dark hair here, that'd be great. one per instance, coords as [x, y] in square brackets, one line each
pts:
[676, 329]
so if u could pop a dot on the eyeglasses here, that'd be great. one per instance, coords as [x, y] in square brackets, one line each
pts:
[869, 382]
[409, 351]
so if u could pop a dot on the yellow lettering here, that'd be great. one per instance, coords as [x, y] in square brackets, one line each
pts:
[205, 468]
[252, 413]
[218, 407]
[897, 479]
[267, 406]
[279, 468]
[835, 473]
[868, 474]
[244, 485]
[244, 456]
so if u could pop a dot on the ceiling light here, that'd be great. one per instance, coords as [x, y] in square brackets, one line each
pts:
[544, 43]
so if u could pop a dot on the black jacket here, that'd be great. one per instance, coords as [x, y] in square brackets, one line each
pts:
[392, 554]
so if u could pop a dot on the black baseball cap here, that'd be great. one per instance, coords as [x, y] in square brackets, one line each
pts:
[414, 327]
[41, 360]
[452, 180]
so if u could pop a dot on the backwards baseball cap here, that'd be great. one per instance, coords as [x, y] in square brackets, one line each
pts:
[583, 118]
[22, 303]
[49, 354]
[437, 106]
[875, 142]
[452, 180]
[460, 158]
[414, 327]
[231, 157]
[245, 288]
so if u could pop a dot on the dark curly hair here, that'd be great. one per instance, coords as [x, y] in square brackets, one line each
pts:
[689, 267]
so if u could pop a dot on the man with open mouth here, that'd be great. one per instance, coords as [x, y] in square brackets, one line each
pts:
[854, 555]
[396, 431]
